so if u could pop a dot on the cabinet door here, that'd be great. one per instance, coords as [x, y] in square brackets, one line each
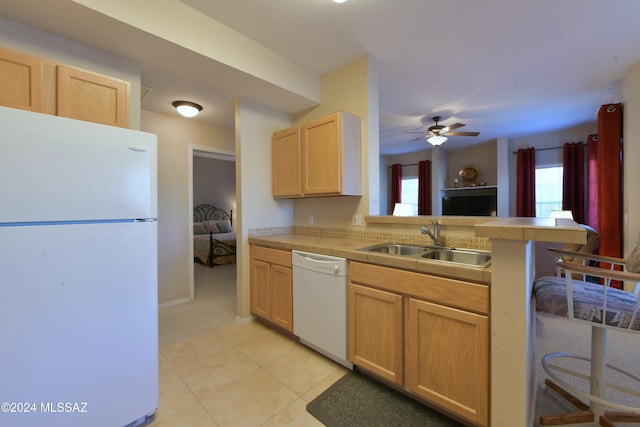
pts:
[286, 169]
[261, 288]
[376, 332]
[282, 297]
[92, 97]
[21, 81]
[322, 155]
[449, 362]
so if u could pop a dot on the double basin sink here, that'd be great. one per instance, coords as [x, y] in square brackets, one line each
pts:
[473, 257]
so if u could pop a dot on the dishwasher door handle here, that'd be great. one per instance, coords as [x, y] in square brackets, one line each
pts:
[312, 257]
[320, 263]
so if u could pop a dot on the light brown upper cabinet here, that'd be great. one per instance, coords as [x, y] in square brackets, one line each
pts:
[44, 86]
[320, 158]
[84, 95]
[21, 81]
[286, 167]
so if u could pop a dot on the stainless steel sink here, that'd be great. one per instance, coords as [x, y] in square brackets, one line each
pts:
[473, 257]
[460, 256]
[397, 249]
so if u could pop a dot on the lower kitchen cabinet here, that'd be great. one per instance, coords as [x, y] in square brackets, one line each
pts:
[427, 334]
[271, 292]
[448, 358]
[282, 296]
[376, 332]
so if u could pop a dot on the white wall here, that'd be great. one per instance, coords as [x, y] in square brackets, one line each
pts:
[481, 155]
[257, 208]
[352, 87]
[214, 183]
[175, 135]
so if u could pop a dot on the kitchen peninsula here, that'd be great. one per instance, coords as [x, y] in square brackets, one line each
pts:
[513, 364]
[509, 278]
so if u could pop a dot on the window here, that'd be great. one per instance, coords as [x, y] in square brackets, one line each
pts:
[548, 190]
[410, 193]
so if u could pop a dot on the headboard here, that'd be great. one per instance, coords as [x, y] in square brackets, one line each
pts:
[205, 212]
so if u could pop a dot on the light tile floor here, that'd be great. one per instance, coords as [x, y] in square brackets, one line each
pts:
[240, 375]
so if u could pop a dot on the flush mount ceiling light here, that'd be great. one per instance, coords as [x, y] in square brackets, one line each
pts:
[436, 140]
[186, 108]
[339, 1]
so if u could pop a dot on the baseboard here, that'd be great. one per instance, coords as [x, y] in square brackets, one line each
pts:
[245, 320]
[174, 302]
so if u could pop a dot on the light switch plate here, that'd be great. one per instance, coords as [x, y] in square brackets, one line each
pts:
[357, 220]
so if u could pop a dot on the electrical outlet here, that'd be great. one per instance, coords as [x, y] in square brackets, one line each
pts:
[310, 219]
[357, 220]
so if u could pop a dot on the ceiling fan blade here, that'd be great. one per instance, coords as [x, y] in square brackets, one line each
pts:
[463, 133]
[455, 126]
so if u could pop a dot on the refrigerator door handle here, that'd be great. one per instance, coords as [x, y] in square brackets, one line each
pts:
[137, 148]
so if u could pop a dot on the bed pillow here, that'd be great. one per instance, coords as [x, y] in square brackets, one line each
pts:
[211, 227]
[224, 227]
[226, 224]
[199, 228]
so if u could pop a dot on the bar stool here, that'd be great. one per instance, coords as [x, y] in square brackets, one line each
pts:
[591, 300]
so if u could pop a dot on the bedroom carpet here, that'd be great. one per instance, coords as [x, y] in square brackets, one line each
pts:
[214, 305]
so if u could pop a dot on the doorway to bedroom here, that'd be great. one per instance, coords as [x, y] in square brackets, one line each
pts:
[213, 279]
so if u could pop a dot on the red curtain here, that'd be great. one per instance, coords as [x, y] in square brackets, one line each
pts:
[526, 183]
[610, 179]
[424, 187]
[396, 185]
[592, 181]
[573, 180]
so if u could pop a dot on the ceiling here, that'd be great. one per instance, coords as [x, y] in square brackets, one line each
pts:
[504, 68]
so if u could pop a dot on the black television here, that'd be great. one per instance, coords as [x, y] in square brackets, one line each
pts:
[466, 204]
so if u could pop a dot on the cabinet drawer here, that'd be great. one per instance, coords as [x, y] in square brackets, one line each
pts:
[270, 255]
[454, 293]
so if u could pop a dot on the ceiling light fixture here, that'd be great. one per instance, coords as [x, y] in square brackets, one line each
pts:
[437, 140]
[339, 1]
[186, 108]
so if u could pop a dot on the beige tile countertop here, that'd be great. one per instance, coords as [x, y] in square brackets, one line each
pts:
[348, 248]
[558, 230]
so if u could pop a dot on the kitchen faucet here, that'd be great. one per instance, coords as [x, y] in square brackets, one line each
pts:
[435, 234]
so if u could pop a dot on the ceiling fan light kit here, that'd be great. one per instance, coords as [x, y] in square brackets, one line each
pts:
[437, 134]
[436, 140]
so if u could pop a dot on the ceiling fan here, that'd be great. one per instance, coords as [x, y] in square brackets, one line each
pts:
[437, 134]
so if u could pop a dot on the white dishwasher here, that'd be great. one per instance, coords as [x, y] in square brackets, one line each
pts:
[320, 303]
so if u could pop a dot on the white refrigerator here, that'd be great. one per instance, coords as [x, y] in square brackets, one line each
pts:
[78, 273]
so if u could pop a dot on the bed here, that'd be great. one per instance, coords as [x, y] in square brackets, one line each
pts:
[214, 241]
